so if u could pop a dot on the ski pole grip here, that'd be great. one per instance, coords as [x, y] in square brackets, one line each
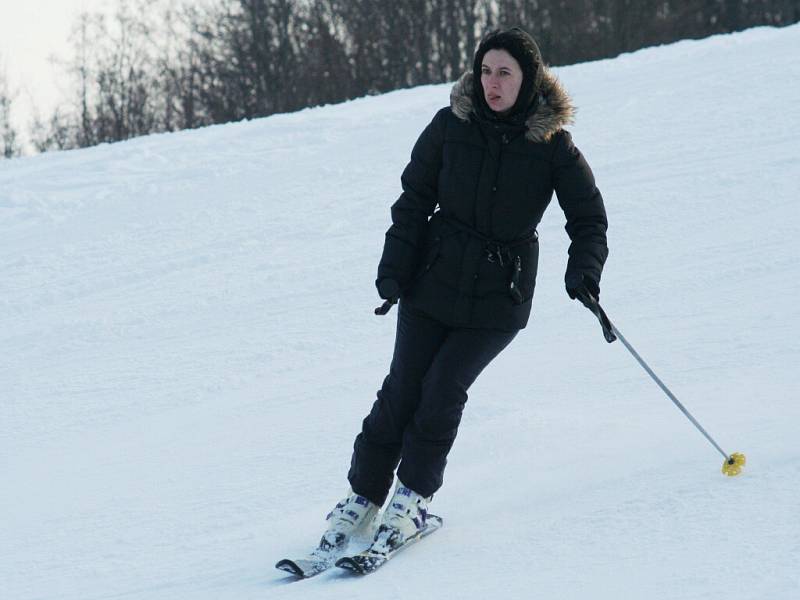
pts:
[385, 307]
[593, 304]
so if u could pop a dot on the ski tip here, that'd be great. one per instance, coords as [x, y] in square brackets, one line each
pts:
[289, 566]
[435, 520]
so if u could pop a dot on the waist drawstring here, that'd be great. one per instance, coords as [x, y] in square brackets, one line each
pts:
[501, 253]
[497, 253]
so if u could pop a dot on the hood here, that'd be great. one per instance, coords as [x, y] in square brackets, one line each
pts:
[555, 109]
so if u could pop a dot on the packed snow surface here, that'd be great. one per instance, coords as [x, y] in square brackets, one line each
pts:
[188, 349]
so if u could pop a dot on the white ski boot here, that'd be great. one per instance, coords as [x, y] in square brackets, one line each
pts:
[354, 516]
[403, 520]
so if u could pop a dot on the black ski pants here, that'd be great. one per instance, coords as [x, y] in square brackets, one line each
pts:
[415, 418]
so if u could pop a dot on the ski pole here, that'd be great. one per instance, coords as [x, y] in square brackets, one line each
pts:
[733, 462]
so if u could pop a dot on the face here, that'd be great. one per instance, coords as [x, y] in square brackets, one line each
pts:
[501, 78]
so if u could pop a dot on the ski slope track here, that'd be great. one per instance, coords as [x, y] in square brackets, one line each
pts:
[188, 349]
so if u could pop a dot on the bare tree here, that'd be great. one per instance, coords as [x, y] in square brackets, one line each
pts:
[164, 65]
[326, 64]
[59, 132]
[125, 83]
[178, 68]
[9, 146]
[115, 89]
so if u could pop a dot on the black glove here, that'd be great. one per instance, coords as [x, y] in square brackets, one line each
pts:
[582, 287]
[388, 289]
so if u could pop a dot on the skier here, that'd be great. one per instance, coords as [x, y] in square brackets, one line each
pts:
[461, 258]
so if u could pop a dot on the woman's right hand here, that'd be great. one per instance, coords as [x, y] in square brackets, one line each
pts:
[388, 289]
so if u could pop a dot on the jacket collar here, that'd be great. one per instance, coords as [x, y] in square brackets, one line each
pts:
[554, 111]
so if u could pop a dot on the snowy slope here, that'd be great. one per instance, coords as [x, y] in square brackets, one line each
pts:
[188, 348]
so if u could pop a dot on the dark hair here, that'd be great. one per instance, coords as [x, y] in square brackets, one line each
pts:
[523, 48]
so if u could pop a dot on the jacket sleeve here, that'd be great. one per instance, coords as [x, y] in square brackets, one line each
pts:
[583, 206]
[406, 236]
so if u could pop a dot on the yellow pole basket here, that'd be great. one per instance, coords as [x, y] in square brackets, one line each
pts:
[733, 465]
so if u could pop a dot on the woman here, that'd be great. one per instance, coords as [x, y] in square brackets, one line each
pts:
[464, 274]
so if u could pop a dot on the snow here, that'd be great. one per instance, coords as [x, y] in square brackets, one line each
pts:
[189, 349]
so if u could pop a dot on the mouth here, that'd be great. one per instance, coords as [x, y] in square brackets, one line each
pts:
[493, 98]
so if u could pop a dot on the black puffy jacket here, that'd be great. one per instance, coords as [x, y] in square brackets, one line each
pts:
[463, 243]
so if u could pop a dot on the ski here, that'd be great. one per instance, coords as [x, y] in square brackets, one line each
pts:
[371, 559]
[322, 558]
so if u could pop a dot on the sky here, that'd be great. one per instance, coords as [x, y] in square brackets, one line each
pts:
[30, 33]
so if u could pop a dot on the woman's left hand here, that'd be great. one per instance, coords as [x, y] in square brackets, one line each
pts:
[584, 288]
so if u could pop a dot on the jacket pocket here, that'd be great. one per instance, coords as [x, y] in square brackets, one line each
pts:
[430, 256]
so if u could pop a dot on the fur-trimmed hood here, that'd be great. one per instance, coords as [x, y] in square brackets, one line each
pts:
[555, 109]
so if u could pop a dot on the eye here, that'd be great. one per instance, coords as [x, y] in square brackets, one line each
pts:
[485, 71]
